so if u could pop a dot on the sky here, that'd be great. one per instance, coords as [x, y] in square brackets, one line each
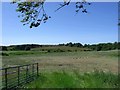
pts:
[98, 26]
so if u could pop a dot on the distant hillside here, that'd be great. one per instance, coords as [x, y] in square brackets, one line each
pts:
[63, 47]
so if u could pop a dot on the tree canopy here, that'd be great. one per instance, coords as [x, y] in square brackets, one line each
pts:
[33, 12]
[93, 47]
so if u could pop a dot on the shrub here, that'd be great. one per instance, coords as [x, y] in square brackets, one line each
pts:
[4, 54]
[59, 50]
[69, 50]
[48, 51]
[4, 48]
[27, 48]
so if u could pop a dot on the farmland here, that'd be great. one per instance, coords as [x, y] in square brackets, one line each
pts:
[66, 65]
[51, 61]
[72, 44]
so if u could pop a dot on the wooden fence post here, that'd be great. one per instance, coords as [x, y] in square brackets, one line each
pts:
[6, 78]
[33, 71]
[26, 74]
[18, 76]
[37, 70]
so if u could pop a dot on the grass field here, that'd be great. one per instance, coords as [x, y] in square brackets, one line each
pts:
[76, 69]
[82, 61]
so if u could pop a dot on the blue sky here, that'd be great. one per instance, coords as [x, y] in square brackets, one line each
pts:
[98, 26]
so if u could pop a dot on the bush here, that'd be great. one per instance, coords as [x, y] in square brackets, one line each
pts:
[48, 51]
[59, 50]
[27, 48]
[75, 50]
[4, 48]
[43, 50]
[4, 54]
[69, 50]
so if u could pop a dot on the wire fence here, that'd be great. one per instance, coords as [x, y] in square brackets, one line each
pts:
[18, 76]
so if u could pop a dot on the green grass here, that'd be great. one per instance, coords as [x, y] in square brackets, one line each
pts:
[16, 53]
[52, 64]
[64, 79]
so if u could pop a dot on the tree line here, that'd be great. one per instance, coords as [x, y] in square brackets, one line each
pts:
[103, 46]
[93, 47]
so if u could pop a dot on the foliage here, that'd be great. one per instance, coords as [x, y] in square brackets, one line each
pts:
[27, 48]
[23, 47]
[4, 54]
[4, 48]
[72, 44]
[33, 13]
[95, 47]
[104, 46]
[64, 47]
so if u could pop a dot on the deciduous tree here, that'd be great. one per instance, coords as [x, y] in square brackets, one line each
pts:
[33, 11]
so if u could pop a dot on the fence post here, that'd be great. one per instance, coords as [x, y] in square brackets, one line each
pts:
[18, 76]
[33, 71]
[37, 69]
[6, 78]
[26, 73]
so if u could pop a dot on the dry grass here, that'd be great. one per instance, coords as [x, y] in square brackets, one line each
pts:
[81, 61]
